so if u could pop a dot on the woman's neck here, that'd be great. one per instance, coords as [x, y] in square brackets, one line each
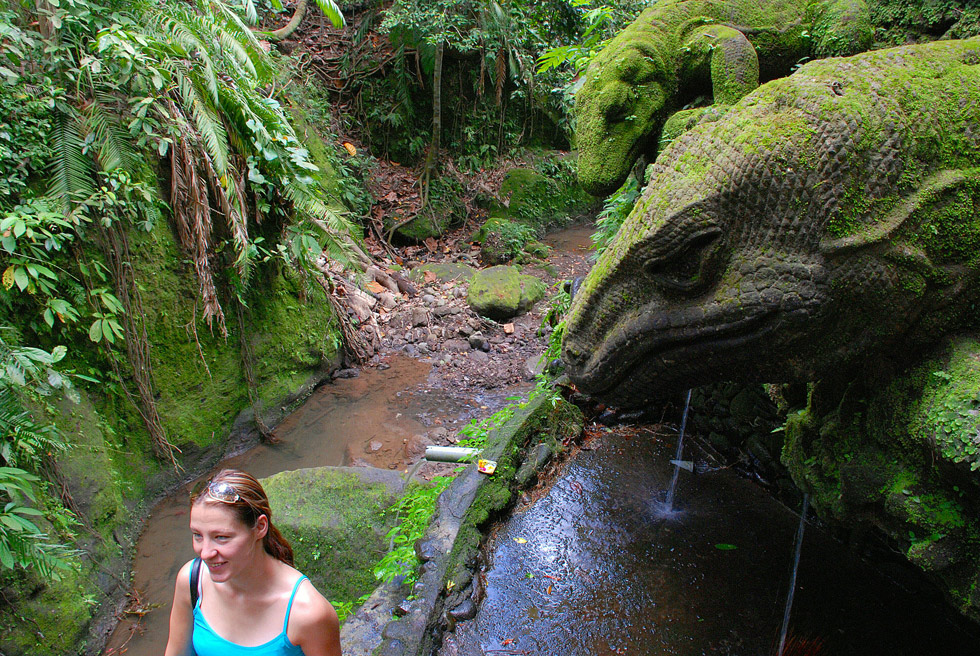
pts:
[257, 578]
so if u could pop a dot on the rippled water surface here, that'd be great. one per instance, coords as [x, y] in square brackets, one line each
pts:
[595, 567]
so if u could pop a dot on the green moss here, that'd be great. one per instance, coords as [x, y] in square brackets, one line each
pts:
[539, 200]
[671, 55]
[904, 460]
[947, 414]
[336, 523]
[502, 292]
[198, 373]
[541, 420]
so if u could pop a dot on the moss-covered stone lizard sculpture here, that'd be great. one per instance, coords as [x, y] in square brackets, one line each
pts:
[828, 216]
[679, 50]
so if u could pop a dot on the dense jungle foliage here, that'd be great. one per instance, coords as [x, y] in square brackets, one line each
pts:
[123, 118]
[118, 119]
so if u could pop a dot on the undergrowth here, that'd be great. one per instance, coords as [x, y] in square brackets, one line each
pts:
[414, 511]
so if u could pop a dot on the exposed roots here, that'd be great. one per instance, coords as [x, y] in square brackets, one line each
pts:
[115, 247]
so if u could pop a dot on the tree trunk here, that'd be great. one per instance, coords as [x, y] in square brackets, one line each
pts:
[433, 154]
[290, 27]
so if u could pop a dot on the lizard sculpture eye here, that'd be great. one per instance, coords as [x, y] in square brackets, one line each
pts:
[688, 268]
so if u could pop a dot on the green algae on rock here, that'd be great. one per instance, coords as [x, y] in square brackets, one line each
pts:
[335, 520]
[905, 461]
[679, 50]
[827, 217]
[502, 292]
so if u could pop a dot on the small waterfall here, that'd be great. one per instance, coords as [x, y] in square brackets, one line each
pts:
[792, 579]
[669, 502]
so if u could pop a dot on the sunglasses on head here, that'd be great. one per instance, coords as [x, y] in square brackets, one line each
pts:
[222, 491]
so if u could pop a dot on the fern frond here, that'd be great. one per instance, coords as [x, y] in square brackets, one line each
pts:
[71, 171]
[206, 123]
[332, 11]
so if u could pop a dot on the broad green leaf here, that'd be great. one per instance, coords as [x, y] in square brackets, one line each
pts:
[21, 278]
[6, 558]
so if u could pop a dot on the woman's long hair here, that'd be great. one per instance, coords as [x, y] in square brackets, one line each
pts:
[251, 504]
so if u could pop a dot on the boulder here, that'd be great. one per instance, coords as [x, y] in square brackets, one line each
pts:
[334, 518]
[503, 292]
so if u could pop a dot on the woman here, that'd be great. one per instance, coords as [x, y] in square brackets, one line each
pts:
[248, 598]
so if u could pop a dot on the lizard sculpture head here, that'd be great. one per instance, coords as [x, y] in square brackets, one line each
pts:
[619, 108]
[828, 216]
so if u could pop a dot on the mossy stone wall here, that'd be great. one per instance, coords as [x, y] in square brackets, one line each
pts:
[202, 398]
[905, 459]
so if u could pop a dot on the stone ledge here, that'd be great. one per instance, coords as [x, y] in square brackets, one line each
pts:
[449, 549]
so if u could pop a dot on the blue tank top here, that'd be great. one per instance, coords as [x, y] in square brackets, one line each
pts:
[208, 643]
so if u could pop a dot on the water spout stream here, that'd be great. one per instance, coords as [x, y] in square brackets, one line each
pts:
[669, 502]
[792, 578]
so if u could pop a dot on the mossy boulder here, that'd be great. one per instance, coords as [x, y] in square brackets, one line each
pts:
[503, 292]
[536, 200]
[444, 210]
[502, 240]
[335, 519]
[905, 461]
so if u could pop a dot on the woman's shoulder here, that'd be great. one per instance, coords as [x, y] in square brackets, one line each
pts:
[309, 606]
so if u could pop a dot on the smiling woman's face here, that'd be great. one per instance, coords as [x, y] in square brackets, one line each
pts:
[225, 544]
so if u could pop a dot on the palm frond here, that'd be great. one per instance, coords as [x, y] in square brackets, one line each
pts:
[112, 142]
[332, 11]
[206, 123]
[71, 171]
[185, 29]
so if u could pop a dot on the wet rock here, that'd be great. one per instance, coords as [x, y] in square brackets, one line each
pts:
[410, 350]
[415, 446]
[446, 310]
[375, 445]
[465, 330]
[478, 341]
[346, 373]
[426, 550]
[537, 458]
[464, 611]
[456, 346]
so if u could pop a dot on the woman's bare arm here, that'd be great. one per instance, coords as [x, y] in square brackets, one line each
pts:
[181, 617]
[313, 624]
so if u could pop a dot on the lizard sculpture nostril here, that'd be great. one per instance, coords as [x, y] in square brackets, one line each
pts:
[572, 356]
